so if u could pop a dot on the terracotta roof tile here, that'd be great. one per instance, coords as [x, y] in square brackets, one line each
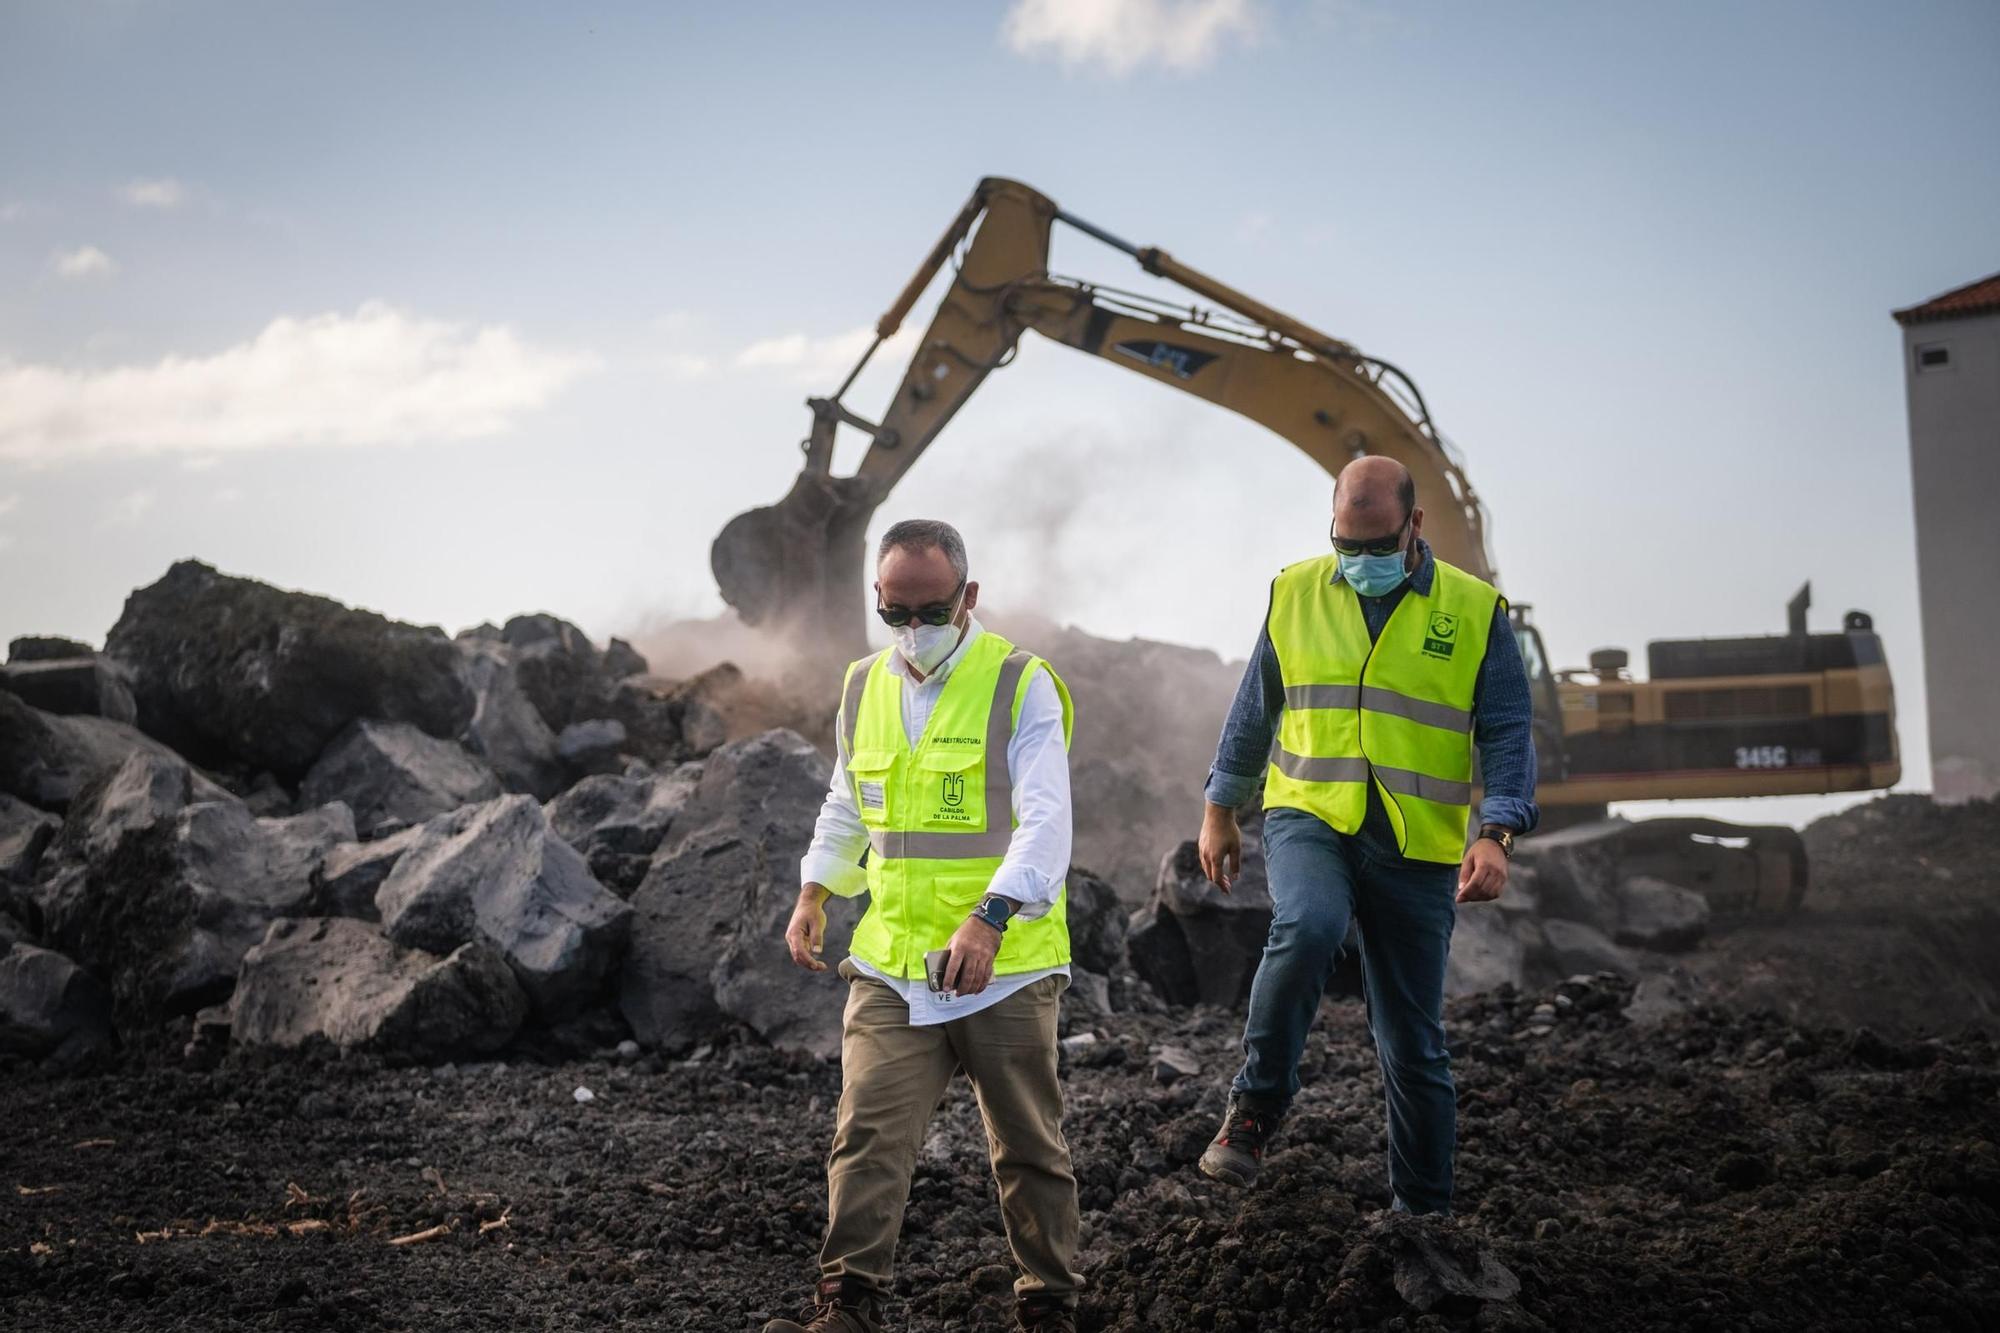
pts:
[1975, 298]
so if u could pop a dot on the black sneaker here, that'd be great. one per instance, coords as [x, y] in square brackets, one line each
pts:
[1237, 1150]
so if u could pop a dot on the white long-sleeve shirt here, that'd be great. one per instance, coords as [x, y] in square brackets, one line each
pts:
[1037, 858]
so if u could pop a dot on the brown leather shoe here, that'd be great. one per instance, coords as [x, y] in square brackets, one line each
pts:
[1237, 1151]
[1040, 1313]
[840, 1305]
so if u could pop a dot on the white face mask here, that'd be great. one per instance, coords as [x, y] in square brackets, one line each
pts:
[926, 646]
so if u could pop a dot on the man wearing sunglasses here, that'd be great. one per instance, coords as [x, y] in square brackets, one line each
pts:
[1380, 671]
[952, 777]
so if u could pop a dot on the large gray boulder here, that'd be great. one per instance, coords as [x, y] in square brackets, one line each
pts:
[342, 981]
[507, 730]
[617, 821]
[1196, 944]
[47, 759]
[621, 659]
[89, 684]
[228, 669]
[1489, 948]
[592, 746]
[45, 648]
[709, 920]
[1654, 914]
[1096, 922]
[1575, 949]
[353, 873]
[162, 894]
[392, 774]
[25, 833]
[1597, 874]
[51, 1009]
[496, 872]
[559, 668]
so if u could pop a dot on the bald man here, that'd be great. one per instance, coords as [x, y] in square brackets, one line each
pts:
[1381, 669]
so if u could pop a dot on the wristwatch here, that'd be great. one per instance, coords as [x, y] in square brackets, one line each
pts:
[994, 911]
[1503, 836]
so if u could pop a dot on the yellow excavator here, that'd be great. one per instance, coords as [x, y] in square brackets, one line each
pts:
[1777, 714]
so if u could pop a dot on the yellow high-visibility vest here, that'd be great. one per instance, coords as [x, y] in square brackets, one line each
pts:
[1397, 711]
[940, 815]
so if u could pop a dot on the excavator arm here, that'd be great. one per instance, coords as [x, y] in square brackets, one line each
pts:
[798, 563]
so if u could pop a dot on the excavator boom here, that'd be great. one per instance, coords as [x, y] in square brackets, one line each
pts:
[797, 564]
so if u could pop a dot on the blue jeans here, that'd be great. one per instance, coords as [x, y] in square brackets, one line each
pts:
[1320, 881]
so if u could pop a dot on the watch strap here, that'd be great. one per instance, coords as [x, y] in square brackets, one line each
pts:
[994, 911]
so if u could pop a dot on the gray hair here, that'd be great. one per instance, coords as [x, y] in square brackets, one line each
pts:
[923, 534]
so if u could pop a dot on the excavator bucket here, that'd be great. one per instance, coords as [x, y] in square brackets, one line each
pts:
[795, 567]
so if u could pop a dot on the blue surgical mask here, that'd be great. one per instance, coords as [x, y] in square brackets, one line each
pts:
[1373, 575]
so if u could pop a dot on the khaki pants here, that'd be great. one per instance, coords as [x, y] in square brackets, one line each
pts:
[892, 1078]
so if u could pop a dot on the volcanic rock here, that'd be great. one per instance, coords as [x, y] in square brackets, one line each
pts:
[353, 872]
[162, 895]
[392, 775]
[621, 659]
[25, 833]
[497, 872]
[228, 669]
[1653, 914]
[592, 746]
[342, 981]
[89, 685]
[559, 668]
[507, 730]
[50, 1008]
[708, 930]
[47, 759]
[46, 648]
[617, 821]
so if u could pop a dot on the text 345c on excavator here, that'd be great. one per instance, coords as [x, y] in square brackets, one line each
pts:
[1780, 714]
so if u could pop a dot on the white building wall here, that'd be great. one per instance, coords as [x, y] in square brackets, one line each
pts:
[1954, 407]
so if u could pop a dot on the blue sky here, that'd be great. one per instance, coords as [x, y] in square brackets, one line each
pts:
[459, 310]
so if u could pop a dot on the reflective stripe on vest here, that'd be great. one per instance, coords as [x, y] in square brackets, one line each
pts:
[924, 874]
[1397, 709]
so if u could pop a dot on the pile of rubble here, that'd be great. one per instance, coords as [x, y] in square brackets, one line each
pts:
[262, 817]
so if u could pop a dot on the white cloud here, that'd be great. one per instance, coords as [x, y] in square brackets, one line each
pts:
[86, 261]
[377, 376]
[128, 508]
[687, 365]
[825, 360]
[161, 193]
[1120, 36]
[8, 504]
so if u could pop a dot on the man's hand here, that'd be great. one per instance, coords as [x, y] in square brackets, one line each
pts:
[1221, 846]
[1483, 873]
[970, 966]
[806, 935]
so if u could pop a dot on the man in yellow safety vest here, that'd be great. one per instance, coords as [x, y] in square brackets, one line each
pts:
[952, 776]
[1380, 671]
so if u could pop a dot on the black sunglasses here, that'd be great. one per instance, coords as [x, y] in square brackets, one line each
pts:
[1388, 545]
[937, 613]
